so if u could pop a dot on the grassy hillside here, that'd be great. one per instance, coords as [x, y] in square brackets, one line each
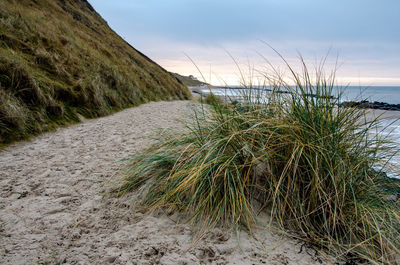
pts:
[59, 59]
[187, 80]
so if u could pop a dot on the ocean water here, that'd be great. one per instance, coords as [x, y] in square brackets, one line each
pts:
[389, 127]
[388, 94]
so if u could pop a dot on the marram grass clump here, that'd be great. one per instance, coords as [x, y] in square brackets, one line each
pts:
[313, 165]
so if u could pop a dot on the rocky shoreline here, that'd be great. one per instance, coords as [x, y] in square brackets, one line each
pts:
[365, 104]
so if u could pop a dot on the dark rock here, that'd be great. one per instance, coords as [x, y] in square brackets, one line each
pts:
[365, 104]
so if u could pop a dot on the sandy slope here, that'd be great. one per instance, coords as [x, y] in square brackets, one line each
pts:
[53, 208]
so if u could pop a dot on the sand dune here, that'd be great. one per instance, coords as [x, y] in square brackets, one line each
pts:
[54, 206]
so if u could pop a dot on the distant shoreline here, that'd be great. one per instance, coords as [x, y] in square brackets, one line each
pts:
[365, 104]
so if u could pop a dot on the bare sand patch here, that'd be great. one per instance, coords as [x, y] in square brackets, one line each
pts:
[53, 209]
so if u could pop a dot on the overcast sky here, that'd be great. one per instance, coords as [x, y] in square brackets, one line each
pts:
[364, 34]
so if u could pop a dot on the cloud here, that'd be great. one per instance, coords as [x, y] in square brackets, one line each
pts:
[364, 33]
[356, 62]
[234, 20]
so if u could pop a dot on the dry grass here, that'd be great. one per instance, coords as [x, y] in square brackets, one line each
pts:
[60, 58]
[312, 165]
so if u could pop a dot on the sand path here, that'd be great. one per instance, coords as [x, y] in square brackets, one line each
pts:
[53, 209]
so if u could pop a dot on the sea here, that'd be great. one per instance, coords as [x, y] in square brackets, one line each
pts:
[389, 127]
[388, 94]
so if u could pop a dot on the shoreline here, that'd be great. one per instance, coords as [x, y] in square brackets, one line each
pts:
[364, 104]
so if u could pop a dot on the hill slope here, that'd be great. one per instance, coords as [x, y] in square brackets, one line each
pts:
[59, 59]
[188, 81]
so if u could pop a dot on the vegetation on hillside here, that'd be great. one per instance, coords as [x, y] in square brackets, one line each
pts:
[187, 80]
[59, 59]
[314, 167]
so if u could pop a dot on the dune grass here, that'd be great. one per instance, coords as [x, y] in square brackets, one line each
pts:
[312, 165]
[60, 59]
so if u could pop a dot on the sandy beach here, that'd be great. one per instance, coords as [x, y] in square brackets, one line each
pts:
[54, 205]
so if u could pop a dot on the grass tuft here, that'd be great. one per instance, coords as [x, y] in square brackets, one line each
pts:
[314, 166]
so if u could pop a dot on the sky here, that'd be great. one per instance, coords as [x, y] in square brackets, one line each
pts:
[360, 37]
